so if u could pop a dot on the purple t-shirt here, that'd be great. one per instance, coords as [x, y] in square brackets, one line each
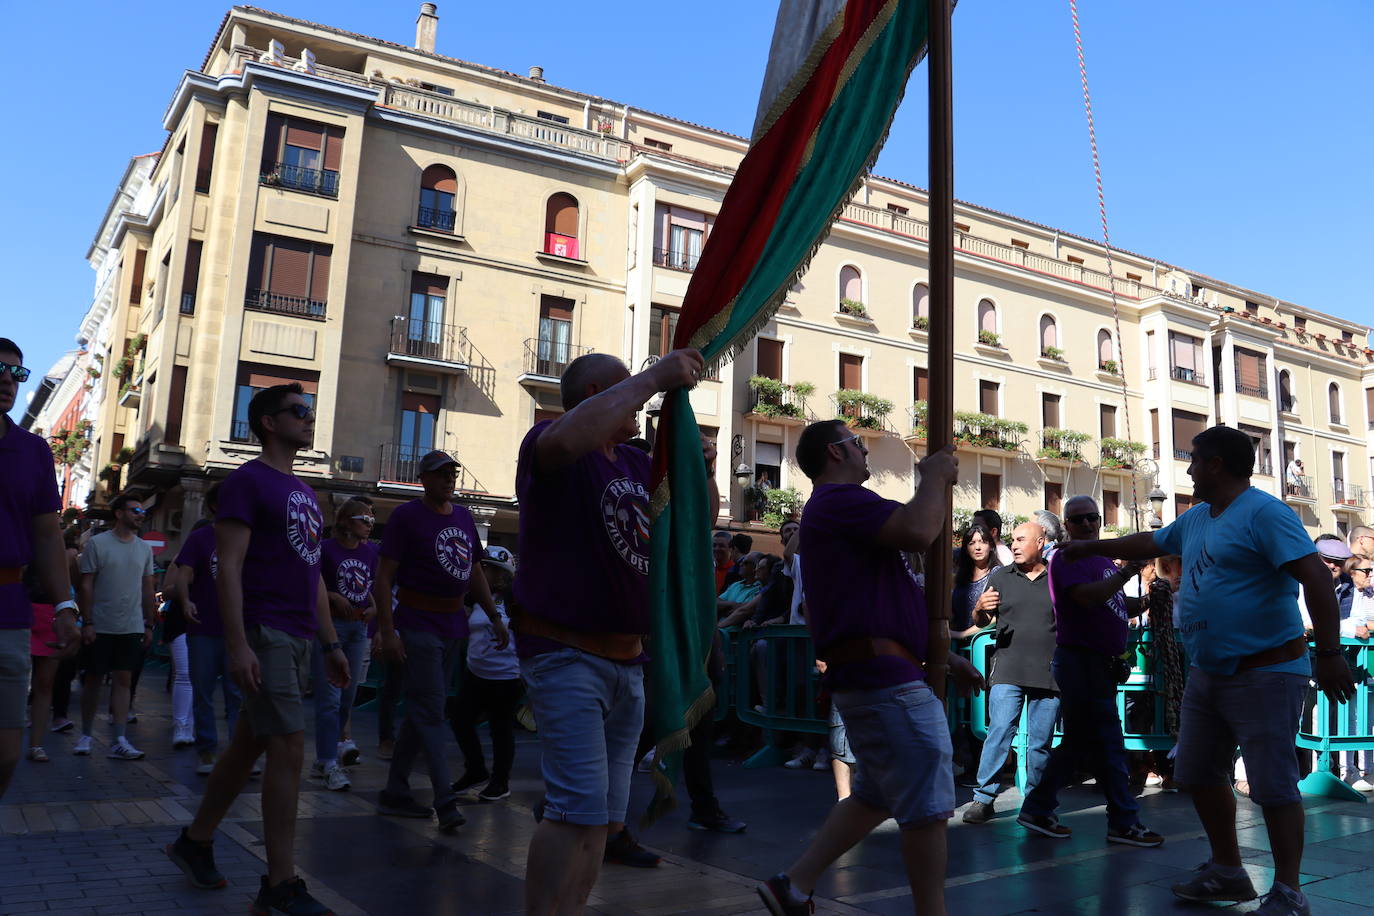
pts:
[28, 488]
[350, 572]
[584, 542]
[281, 571]
[198, 555]
[857, 587]
[1101, 627]
[435, 554]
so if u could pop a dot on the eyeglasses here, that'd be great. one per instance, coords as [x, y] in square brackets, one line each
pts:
[137, 510]
[365, 519]
[299, 411]
[1363, 569]
[1088, 519]
[16, 371]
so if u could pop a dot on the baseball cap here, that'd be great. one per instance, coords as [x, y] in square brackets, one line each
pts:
[1333, 549]
[499, 557]
[438, 459]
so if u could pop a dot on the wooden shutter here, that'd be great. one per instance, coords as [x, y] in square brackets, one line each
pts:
[1182, 503]
[1154, 430]
[140, 264]
[289, 270]
[256, 375]
[920, 383]
[439, 178]
[176, 400]
[1049, 333]
[420, 403]
[1369, 405]
[206, 163]
[257, 263]
[319, 273]
[305, 135]
[769, 358]
[1248, 369]
[1186, 426]
[555, 308]
[540, 415]
[851, 372]
[429, 285]
[1333, 397]
[561, 215]
[1054, 496]
[1107, 420]
[1111, 507]
[1184, 351]
[333, 148]
[1049, 411]
[987, 397]
[271, 142]
[190, 277]
[990, 490]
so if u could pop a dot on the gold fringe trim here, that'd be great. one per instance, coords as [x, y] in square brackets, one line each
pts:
[794, 86]
[665, 795]
[659, 501]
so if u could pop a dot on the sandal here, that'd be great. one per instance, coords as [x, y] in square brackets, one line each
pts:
[38, 755]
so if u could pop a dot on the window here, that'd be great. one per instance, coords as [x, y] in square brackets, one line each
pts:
[1338, 476]
[560, 226]
[550, 116]
[1299, 324]
[431, 87]
[415, 438]
[1054, 497]
[252, 378]
[1252, 308]
[1106, 353]
[898, 209]
[1333, 399]
[662, 327]
[988, 397]
[679, 236]
[990, 491]
[1259, 440]
[1369, 406]
[302, 155]
[920, 383]
[288, 275]
[425, 324]
[768, 464]
[140, 265]
[1049, 411]
[1347, 336]
[555, 335]
[1106, 419]
[206, 163]
[190, 277]
[769, 360]
[1182, 503]
[1049, 335]
[1287, 403]
[920, 306]
[851, 285]
[176, 402]
[1073, 259]
[658, 144]
[438, 194]
[1020, 243]
[1186, 426]
[851, 372]
[962, 227]
[1134, 277]
[1250, 374]
[1111, 507]
[987, 316]
[1154, 432]
[1185, 358]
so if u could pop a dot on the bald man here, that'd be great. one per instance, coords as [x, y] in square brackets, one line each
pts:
[1018, 596]
[1362, 540]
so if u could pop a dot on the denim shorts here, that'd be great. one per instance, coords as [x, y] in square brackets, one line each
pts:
[900, 738]
[15, 666]
[1255, 710]
[839, 738]
[589, 711]
[276, 707]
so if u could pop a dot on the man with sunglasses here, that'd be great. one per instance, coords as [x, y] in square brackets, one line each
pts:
[272, 600]
[29, 504]
[119, 608]
[1091, 630]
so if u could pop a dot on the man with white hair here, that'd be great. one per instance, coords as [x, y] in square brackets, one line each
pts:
[1054, 530]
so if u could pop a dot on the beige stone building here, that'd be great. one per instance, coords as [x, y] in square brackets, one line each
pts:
[425, 243]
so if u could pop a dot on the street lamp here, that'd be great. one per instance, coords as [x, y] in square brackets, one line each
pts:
[1156, 497]
[744, 474]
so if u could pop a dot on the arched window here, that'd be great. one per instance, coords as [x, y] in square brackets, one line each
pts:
[1049, 336]
[1106, 356]
[851, 284]
[1333, 395]
[438, 192]
[987, 317]
[560, 226]
[920, 306]
[1286, 401]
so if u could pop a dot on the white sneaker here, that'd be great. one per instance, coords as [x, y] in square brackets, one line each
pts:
[805, 757]
[123, 750]
[83, 746]
[183, 736]
[348, 753]
[335, 779]
[1362, 785]
[317, 770]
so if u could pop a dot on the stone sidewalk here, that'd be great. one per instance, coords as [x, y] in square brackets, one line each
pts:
[85, 835]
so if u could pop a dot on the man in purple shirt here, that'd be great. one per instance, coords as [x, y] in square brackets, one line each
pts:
[1091, 631]
[272, 600]
[582, 594]
[868, 621]
[28, 516]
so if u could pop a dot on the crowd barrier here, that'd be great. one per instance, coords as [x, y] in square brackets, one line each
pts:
[1329, 730]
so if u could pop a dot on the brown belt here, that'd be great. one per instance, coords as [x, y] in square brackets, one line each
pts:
[618, 647]
[1284, 652]
[863, 649]
[433, 604]
[11, 575]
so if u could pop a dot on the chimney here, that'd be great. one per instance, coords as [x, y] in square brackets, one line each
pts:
[426, 27]
[537, 74]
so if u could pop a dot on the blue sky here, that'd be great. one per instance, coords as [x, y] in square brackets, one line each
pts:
[1235, 136]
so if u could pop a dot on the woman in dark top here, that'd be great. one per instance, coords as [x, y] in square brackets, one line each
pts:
[975, 561]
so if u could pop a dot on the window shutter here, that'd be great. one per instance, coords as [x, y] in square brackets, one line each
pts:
[1107, 416]
[1049, 333]
[319, 273]
[420, 403]
[1054, 496]
[176, 399]
[1154, 430]
[990, 490]
[561, 216]
[140, 264]
[1248, 369]
[555, 308]
[271, 142]
[1369, 404]
[1111, 507]
[429, 284]
[333, 148]
[257, 263]
[1104, 347]
[851, 371]
[256, 375]
[305, 135]
[987, 397]
[190, 277]
[289, 270]
[1333, 396]
[921, 383]
[1184, 351]
[206, 163]
[1049, 411]
[439, 178]
[987, 316]
[851, 284]
[769, 358]
[1186, 426]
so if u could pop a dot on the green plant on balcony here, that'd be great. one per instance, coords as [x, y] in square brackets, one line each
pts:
[780, 506]
[1062, 444]
[963, 518]
[93, 371]
[853, 307]
[68, 445]
[920, 411]
[1110, 366]
[921, 323]
[1053, 353]
[1117, 530]
[986, 431]
[772, 397]
[124, 366]
[1120, 453]
[990, 338]
[860, 409]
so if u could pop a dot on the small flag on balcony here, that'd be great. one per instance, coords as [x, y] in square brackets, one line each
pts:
[836, 73]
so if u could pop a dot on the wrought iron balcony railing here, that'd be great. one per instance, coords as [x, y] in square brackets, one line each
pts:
[675, 259]
[550, 358]
[430, 340]
[1194, 376]
[263, 300]
[441, 220]
[324, 182]
[400, 463]
[188, 303]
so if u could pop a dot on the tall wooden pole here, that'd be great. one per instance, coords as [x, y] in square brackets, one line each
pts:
[940, 416]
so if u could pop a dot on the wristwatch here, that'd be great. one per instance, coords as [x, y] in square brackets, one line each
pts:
[331, 646]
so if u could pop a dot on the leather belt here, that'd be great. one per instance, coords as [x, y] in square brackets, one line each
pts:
[11, 575]
[433, 604]
[618, 647]
[1284, 652]
[863, 649]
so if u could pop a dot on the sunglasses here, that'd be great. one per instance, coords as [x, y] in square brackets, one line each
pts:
[299, 411]
[16, 371]
[365, 519]
[137, 510]
[1090, 519]
[848, 439]
[1363, 569]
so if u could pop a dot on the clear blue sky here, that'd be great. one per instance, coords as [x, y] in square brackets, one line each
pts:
[1235, 134]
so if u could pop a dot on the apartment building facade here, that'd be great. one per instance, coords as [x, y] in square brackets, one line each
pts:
[424, 244]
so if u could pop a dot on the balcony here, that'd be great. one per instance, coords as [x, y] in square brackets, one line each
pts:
[188, 303]
[1119, 453]
[1254, 391]
[1347, 497]
[1298, 489]
[1191, 376]
[546, 361]
[399, 470]
[437, 220]
[261, 300]
[324, 182]
[864, 413]
[130, 396]
[673, 259]
[1183, 454]
[984, 431]
[1287, 404]
[1063, 445]
[770, 401]
[429, 345]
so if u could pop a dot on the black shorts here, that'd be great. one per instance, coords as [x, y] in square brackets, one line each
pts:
[113, 652]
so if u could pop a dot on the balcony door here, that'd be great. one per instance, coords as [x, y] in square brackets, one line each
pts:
[555, 335]
[424, 330]
[419, 417]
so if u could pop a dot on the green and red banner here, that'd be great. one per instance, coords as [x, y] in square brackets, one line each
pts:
[836, 73]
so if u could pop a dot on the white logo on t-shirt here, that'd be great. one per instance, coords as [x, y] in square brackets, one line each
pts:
[625, 510]
[354, 580]
[303, 525]
[454, 553]
[214, 565]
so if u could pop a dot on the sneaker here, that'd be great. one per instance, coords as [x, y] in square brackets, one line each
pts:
[1154, 781]
[646, 763]
[207, 763]
[717, 822]
[349, 754]
[1134, 835]
[317, 770]
[288, 899]
[495, 791]
[1045, 825]
[123, 750]
[83, 746]
[197, 861]
[1362, 785]
[131, 719]
[450, 818]
[470, 780]
[38, 755]
[402, 806]
[1210, 885]
[1281, 901]
[623, 849]
[385, 749]
[802, 761]
[62, 725]
[336, 780]
[978, 813]
[822, 763]
[777, 895]
[183, 736]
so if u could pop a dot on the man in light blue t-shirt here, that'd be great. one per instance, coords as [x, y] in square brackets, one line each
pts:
[1244, 554]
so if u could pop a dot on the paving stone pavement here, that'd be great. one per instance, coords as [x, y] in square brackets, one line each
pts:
[85, 835]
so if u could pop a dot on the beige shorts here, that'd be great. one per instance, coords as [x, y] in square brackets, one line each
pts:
[15, 665]
[284, 660]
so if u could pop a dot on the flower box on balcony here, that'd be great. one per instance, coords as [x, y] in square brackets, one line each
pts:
[1053, 353]
[990, 339]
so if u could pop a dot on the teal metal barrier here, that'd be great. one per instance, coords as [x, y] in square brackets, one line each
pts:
[788, 692]
[1336, 729]
[725, 690]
